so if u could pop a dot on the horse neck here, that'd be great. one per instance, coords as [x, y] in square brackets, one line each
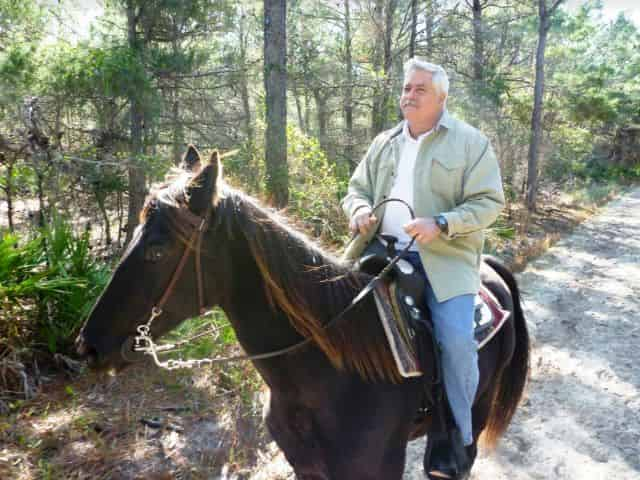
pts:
[283, 289]
[273, 271]
[258, 326]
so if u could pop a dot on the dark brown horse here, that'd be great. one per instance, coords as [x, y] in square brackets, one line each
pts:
[337, 408]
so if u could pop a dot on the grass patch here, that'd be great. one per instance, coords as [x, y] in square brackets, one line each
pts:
[48, 285]
[595, 194]
[202, 336]
[97, 432]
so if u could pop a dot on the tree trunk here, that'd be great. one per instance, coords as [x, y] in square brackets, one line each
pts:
[478, 44]
[40, 144]
[307, 110]
[536, 116]
[275, 82]
[321, 112]
[377, 61]
[137, 177]
[120, 215]
[478, 84]
[430, 27]
[57, 135]
[348, 89]
[178, 131]
[414, 28]
[388, 60]
[8, 188]
[246, 106]
[244, 88]
[101, 199]
[43, 216]
[299, 113]
[178, 134]
[380, 107]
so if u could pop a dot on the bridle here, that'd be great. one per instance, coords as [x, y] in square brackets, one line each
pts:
[143, 342]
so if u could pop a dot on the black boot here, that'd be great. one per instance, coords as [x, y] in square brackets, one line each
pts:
[447, 457]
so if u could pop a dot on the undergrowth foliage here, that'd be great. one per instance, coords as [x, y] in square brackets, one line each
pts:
[211, 334]
[48, 284]
[316, 184]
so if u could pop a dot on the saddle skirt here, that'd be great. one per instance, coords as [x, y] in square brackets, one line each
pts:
[397, 311]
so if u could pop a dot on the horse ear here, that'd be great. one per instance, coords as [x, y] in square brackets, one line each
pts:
[191, 159]
[204, 188]
[215, 157]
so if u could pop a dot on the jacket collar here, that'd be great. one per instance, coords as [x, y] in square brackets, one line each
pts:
[407, 136]
[445, 121]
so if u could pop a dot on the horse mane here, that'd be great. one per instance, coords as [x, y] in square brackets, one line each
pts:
[307, 284]
[311, 287]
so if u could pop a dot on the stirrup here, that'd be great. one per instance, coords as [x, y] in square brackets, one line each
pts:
[437, 474]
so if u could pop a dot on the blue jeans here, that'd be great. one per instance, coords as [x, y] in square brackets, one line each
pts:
[453, 327]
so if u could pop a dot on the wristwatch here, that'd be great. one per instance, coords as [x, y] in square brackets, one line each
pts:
[442, 224]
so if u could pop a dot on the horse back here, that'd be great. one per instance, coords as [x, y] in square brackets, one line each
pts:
[495, 282]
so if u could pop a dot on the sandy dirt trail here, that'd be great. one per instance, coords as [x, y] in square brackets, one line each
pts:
[580, 419]
[581, 416]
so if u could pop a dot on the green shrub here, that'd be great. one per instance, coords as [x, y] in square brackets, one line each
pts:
[315, 187]
[316, 184]
[48, 285]
[600, 171]
[594, 193]
[497, 234]
[216, 332]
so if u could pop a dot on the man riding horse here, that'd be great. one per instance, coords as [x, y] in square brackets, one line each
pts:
[447, 171]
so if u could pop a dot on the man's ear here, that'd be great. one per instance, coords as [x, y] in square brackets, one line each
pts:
[191, 159]
[204, 188]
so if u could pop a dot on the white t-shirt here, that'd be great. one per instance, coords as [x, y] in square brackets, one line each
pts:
[396, 214]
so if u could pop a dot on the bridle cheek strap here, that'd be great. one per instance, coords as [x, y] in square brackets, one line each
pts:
[194, 243]
[201, 229]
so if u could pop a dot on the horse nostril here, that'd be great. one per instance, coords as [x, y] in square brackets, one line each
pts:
[81, 346]
[85, 351]
[128, 352]
[92, 358]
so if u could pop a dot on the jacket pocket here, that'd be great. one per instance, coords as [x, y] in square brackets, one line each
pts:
[446, 180]
[384, 181]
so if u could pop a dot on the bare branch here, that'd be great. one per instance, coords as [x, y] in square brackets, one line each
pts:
[555, 5]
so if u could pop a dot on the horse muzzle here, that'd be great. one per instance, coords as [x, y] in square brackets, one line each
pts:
[129, 353]
[86, 351]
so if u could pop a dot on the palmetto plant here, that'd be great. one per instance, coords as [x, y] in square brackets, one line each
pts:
[47, 285]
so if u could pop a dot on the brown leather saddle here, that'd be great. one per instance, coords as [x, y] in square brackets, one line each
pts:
[403, 311]
[401, 304]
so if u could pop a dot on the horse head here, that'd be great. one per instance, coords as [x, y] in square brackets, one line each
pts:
[145, 274]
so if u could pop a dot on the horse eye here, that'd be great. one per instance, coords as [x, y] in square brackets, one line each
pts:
[154, 254]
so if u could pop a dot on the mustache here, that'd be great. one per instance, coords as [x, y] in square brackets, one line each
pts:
[408, 104]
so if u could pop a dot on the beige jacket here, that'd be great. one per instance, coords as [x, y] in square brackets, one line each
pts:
[456, 175]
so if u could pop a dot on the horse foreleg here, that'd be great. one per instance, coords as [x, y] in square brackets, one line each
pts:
[293, 431]
[367, 462]
[314, 457]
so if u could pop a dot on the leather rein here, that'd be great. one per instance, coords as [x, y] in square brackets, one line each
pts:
[143, 342]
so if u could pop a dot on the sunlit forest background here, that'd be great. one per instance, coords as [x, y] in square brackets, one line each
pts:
[99, 101]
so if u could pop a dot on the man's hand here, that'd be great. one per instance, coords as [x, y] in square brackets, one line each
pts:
[425, 229]
[362, 222]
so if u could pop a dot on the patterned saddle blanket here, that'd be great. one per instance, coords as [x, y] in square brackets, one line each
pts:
[395, 309]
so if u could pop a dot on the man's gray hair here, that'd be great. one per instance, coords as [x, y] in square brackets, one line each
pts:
[439, 77]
